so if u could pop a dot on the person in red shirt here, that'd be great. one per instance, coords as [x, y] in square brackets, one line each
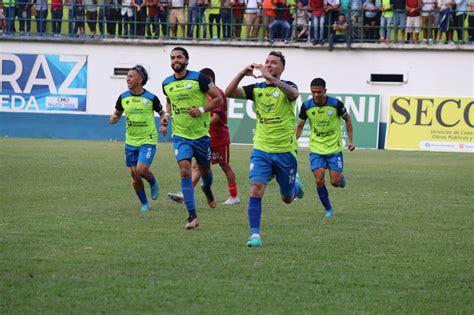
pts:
[413, 8]
[220, 148]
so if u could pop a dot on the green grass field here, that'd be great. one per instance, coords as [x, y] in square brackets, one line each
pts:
[72, 239]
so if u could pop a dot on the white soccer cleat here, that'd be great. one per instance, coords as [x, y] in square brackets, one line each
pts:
[176, 197]
[232, 201]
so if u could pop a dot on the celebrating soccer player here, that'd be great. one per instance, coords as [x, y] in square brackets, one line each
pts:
[220, 148]
[187, 100]
[274, 143]
[325, 142]
[141, 135]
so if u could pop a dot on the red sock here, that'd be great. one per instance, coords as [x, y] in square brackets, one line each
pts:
[233, 190]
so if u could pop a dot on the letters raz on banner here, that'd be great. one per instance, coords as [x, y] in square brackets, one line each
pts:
[431, 123]
[363, 108]
[43, 83]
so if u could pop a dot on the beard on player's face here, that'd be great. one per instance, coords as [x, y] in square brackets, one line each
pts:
[178, 67]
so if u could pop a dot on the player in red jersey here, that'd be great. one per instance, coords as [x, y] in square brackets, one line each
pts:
[220, 148]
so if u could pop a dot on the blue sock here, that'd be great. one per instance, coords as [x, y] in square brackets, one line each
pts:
[206, 185]
[255, 213]
[324, 197]
[188, 193]
[152, 181]
[142, 196]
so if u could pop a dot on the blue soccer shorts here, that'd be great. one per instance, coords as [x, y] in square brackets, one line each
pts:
[334, 162]
[186, 149]
[143, 154]
[283, 166]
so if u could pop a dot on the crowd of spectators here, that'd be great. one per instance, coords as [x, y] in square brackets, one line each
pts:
[315, 21]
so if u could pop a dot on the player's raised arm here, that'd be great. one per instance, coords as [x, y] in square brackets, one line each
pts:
[233, 90]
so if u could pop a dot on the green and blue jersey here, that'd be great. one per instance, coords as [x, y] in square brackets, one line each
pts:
[183, 94]
[325, 124]
[140, 118]
[275, 130]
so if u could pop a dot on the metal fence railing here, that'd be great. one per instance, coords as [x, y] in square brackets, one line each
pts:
[288, 24]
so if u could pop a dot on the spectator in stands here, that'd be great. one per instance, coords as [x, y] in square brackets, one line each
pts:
[332, 15]
[127, 14]
[269, 14]
[139, 17]
[196, 18]
[41, 7]
[23, 9]
[301, 18]
[371, 19]
[386, 18]
[459, 17]
[101, 16]
[215, 18]
[445, 20]
[152, 18]
[56, 16]
[70, 16]
[79, 18]
[176, 17]
[471, 21]
[428, 11]
[399, 19]
[113, 16]
[238, 8]
[281, 22]
[253, 14]
[3, 25]
[317, 20]
[226, 18]
[10, 13]
[413, 8]
[91, 15]
[340, 32]
[355, 22]
[164, 6]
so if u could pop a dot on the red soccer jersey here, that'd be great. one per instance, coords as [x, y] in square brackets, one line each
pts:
[220, 132]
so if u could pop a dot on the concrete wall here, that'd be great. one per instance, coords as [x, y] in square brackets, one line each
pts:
[428, 72]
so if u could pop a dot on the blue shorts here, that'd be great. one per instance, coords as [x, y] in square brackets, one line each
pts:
[335, 162]
[186, 149]
[143, 154]
[264, 165]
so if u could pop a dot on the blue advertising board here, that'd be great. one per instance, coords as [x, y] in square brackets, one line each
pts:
[43, 83]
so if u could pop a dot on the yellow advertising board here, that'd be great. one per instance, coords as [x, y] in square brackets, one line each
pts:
[431, 123]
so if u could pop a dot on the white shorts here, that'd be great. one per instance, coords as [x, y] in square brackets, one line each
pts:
[413, 24]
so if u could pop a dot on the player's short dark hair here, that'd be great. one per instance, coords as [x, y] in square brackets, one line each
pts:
[208, 72]
[142, 72]
[318, 82]
[279, 55]
[184, 51]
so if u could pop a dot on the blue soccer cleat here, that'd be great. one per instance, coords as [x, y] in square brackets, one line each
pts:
[254, 241]
[145, 208]
[155, 191]
[329, 213]
[300, 184]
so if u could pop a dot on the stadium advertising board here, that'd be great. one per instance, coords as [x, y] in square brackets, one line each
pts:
[43, 83]
[363, 108]
[431, 123]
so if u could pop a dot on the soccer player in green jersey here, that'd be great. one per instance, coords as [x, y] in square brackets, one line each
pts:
[187, 100]
[141, 135]
[325, 143]
[274, 143]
